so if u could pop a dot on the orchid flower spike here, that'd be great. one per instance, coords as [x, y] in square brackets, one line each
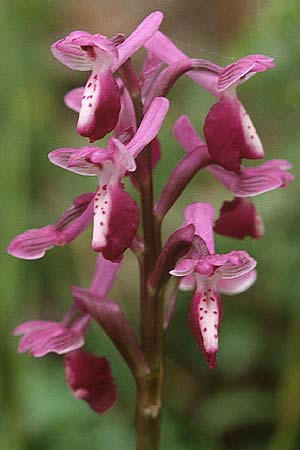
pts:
[209, 272]
[100, 101]
[116, 214]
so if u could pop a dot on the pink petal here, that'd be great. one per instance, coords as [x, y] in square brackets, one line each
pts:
[115, 222]
[201, 215]
[33, 244]
[204, 318]
[104, 277]
[239, 219]
[237, 285]
[150, 126]
[139, 37]
[73, 98]
[89, 378]
[233, 264]
[80, 49]
[243, 69]
[100, 105]
[164, 49]
[187, 283]
[78, 157]
[183, 268]
[42, 337]
[126, 126]
[230, 134]
[187, 136]
[149, 72]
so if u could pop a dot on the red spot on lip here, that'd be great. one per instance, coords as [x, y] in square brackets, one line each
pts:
[104, 187]
[95, 77]
[90, 105]
[215, 312]
[212, 299]
[204, 329]
[103, 212]
[101, 224]
[201, 317]
[201, 309]
[96, 206]
[89, 85]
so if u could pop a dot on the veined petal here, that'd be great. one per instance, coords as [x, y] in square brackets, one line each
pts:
[79, 50]
[89, 378]
[150, 126]
[239, 219]
[116, 218]
[73, 98]
[187, 136]
[75, 160]
[100, 104]
[242, 70]
[204, 318]
[34, 243]
[183, 268]
[201, 215]
[233, 264]
[139, 37]
[42, 337]
[230, 134]
[237, 285]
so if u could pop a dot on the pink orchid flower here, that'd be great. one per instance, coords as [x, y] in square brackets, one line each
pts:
[33, 244]
[209, 271]
[229, 131]
[100, 102]
[249, 181]
[116, 214]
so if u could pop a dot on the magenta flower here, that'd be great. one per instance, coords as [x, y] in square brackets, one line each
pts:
[209, 271]
[100, 102]
[115, 212]
[42, 337]
[33, 244]
[228, 129]
[229, 132]
[239, 219]
[89, 378]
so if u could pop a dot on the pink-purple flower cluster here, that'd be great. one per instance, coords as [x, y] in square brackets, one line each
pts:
[133, 107]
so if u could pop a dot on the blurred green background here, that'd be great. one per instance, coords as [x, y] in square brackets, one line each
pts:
[252, 401]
